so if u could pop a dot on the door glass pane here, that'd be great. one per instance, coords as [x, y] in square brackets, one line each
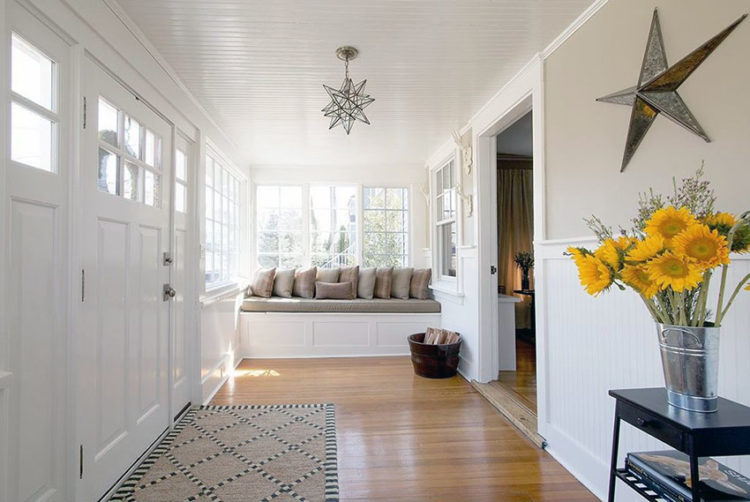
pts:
[132, 137]
[31, 73]
[31, 138]
[108, 125]
[108, 171]
[180, 165]
[130, 182]
[151, 149]
[152, 189]
[180, 202]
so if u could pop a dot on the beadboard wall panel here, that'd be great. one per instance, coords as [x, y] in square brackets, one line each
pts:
[608, 342]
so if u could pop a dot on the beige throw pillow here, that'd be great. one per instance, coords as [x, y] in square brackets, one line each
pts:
[401, 282]
[327, 275]
[420, 283]
[350, 274]
[304, 282]
[366, 283]
[333, 290]
[283, 283]
[262, 284]
[383, 279]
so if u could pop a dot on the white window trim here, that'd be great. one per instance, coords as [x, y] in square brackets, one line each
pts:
[444, 283]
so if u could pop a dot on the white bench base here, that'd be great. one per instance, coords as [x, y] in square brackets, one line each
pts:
[282, 335]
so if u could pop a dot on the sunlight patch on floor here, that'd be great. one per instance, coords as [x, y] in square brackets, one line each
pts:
[253, 372]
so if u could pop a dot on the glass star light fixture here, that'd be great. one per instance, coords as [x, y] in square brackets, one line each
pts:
[349, 101]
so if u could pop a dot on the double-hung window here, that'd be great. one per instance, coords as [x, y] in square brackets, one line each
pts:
[445, 216]
[385, 229]
[333, 226]
[280, 226]
[222, 223]
[34, 107]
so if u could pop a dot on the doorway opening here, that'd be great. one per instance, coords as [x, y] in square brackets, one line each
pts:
[513, 389]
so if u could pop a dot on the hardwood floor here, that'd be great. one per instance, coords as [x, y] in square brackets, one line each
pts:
[522, 382]
[406, 438]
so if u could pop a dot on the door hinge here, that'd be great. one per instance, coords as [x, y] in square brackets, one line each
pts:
[80, 463]
[167, 258]
[493, 269]
[83, 285]
[84, 112]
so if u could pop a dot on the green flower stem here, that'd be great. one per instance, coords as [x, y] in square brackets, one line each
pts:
[734, 295]
[720, 305]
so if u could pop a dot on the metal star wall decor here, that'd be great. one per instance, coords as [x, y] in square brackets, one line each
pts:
[349, 101]
[656, 91]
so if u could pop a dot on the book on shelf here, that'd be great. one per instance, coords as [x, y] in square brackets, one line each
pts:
[668, 471]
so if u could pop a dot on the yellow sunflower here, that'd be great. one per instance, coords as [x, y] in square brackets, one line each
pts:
[669, 222]
[609, 253]
[578, 254]
[636, 276]
[705, 246]
[625, 243]
[677, 272]
[720, 220]
[646, 249]
[747, 287]
[594, 274]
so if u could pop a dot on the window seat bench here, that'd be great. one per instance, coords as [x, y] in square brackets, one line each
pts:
[299, 327]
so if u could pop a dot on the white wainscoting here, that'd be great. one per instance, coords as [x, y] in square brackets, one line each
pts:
[219, 341]
[281, 334]
[609, 342]
[5, 381]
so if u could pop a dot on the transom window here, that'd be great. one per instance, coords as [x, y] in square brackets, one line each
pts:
[222, 223]
[445, 226]
[130, 156]
[34, 110]
[385, 227]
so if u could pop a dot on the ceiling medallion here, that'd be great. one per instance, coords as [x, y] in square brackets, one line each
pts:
[656, 91]
[348, 102]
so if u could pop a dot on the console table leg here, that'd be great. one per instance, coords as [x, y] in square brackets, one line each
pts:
[694, 478]
[613, 465]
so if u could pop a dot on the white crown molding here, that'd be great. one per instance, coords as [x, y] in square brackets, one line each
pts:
[141, 37]
[570, 30]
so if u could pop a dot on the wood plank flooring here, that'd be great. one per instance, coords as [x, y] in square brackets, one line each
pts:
[522, 382]
[405, 438]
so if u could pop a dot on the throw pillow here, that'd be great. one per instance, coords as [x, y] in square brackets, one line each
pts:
[420, 282]
[350, 274]
[383, 279]
[304, 282]
[366, 283]
[283, 283]
[262, 284]
[327, 275]
[400, 282]
[333, 290]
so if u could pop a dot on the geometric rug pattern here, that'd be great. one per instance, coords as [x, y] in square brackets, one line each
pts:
[242, 453]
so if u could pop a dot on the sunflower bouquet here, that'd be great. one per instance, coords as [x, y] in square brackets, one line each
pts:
[670, 256]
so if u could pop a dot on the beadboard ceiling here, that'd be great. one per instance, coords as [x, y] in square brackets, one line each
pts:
[258, 67]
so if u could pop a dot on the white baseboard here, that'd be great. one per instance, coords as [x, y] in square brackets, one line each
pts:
[222, 378]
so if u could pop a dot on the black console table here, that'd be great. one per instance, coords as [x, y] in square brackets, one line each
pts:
[725, 432]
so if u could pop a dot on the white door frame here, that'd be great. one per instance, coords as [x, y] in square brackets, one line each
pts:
[523, 93]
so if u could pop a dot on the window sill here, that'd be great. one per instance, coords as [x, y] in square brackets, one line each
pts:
[222, 292]
[447, 289]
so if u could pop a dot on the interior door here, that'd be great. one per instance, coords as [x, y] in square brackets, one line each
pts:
[125, 320]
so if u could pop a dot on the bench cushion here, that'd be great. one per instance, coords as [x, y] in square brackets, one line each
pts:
[357, 306]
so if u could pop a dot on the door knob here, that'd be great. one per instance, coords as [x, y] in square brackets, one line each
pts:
[169, 292]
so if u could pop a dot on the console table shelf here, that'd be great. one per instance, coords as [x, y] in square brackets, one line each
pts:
[725, 432]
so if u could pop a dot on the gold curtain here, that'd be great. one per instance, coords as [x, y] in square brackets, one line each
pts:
[515, 217]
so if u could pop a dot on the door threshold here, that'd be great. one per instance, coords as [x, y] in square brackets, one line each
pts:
[508, 404]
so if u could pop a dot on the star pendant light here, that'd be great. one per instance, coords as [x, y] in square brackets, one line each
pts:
[349, 101]
[656, 91]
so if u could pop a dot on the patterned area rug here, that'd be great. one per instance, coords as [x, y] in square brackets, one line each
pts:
[242, 453]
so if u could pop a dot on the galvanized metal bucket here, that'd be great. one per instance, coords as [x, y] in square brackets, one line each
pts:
[690, 358]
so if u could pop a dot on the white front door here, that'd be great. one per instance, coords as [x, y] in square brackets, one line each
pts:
[123, 355]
